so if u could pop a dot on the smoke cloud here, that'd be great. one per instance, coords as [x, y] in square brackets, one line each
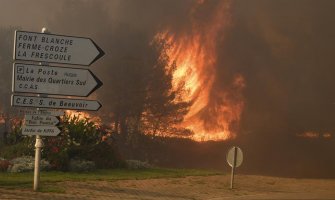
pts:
[283, 49]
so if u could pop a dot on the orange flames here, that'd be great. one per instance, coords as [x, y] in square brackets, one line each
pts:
[315, 135]
[83, 115]
[213, 114]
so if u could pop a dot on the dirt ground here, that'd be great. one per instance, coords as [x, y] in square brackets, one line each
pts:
[189, 188]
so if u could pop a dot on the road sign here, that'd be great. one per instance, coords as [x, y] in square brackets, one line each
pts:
[54, 103]
[235, 153]
[234, 159]
[43, 112]
[40, 130]
[54, 80]
[40, 120]
[44, 47]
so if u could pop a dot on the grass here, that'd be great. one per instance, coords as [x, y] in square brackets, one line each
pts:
[25, 180]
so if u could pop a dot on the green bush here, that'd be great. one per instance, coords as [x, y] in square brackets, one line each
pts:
[81, 139]
[105, 155]
[81, 131]
[23, 148]
[137, 164]
[78, 165]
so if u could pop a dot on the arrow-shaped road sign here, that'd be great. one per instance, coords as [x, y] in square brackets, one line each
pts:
[43, 47]
[54, 103]
[40, 120]
[40, 130]
[43, 112]
[54, 80]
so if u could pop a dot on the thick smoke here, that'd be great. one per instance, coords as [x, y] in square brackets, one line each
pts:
[283, 49]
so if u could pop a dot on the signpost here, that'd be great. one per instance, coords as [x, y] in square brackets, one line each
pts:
[41, 120]
[54, 80]
[234, 159]
[28, 78]
[55, 103]
[40, 130]
[45, 47]
[44, 112]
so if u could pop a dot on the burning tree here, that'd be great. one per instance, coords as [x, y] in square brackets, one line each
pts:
[177, 85]
[214, 112]
[143, 98]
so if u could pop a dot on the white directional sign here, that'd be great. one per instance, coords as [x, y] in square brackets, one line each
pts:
[40, 120]
[40, 130]
[54, 103]
[44, 112]
[52, 48]
[54, 80]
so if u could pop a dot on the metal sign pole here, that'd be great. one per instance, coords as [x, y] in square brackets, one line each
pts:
[38, 148]
[233, 169]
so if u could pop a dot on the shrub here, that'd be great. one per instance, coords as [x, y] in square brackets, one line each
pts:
[55, 150]
[81, 139]
[24, 148]
[78, 165]
[4, 164]
[105, 155]
[77, 134]
[137, 164]
[27, 163]
[81, 131]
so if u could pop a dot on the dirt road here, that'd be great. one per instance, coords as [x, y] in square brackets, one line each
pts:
[189, 188]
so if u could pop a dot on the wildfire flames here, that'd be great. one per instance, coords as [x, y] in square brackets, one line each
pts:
[315, 135]
[214, 114]
[215, 111]
[83, 115]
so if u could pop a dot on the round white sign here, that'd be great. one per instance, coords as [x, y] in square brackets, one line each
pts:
[235, 153]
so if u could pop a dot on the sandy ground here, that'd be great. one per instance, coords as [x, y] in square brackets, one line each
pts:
[189, 188]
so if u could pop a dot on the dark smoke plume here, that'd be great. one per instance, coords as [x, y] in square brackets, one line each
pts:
[284, 50]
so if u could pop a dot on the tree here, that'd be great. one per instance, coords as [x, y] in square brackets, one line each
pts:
[6, 50]
[163, 108]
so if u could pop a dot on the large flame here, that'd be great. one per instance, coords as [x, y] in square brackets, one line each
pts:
[194, 52]
[82, 115]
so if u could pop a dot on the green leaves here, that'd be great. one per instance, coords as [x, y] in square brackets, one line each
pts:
[81, 131]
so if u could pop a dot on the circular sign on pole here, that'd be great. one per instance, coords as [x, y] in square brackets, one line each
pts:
[234, 159]
[235, 155]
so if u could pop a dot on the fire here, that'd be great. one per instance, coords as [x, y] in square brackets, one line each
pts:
[214, 113]
[83, 115]
[315, 135]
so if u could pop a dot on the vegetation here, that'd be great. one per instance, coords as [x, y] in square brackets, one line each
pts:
[141, 98]
[24, 180]
[77, 165]
[79, 147]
